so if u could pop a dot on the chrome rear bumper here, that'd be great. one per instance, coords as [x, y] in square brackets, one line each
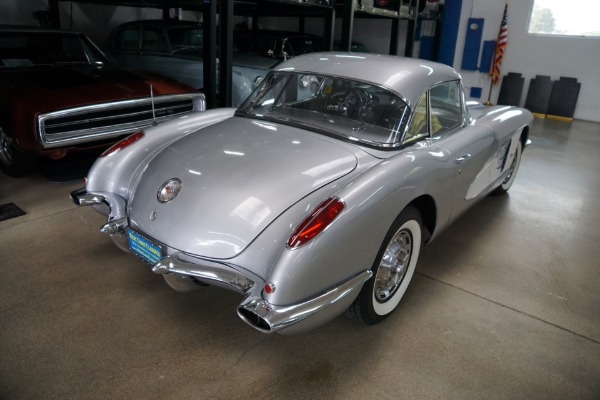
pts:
[268, 318]
[254, 310]
[183, 272]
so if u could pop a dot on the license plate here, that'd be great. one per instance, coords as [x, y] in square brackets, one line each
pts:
[144, 248]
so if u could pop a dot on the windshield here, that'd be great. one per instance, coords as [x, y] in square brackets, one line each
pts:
[354, 110]
[23, 49]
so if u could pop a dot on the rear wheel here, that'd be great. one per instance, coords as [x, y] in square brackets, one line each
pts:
[13, 161]
[392, 271]
[514, 167]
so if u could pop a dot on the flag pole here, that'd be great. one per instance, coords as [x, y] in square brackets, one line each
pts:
[488, 102]
[498, 50]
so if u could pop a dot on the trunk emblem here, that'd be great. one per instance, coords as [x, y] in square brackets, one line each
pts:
[169, 190]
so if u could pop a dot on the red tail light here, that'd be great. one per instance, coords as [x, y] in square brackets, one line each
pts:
[123, 143]
[316, 222]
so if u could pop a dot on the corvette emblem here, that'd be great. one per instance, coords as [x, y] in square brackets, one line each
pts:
[169, 190]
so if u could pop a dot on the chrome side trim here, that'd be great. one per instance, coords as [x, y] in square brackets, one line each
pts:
[215, 273]
[268, 318]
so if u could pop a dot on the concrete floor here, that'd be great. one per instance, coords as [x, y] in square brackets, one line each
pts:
[505, 305]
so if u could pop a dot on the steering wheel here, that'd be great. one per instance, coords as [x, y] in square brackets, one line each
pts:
[353, 103]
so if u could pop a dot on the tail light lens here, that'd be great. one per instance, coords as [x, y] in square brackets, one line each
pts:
[316, 222]
[123, 143]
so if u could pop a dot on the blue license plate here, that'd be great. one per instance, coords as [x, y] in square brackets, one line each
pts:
[144, 248]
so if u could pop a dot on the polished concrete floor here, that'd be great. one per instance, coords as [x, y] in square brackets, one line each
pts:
[505, 305]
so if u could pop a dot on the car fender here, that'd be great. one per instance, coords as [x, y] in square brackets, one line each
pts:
[116, 173]
[349, 245]
[504, 120]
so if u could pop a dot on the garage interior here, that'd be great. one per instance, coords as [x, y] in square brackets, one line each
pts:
[504, 303]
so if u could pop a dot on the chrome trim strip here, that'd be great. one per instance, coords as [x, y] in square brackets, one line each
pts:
[279, 317]
[226, 275]
[107, 132]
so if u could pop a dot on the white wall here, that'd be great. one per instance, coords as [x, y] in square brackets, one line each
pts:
[533, 55]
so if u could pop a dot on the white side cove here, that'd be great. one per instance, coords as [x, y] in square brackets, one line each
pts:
[490, 172]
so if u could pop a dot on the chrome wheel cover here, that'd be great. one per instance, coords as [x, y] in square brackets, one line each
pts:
[393, 266]
[511, 170]
[5, 149]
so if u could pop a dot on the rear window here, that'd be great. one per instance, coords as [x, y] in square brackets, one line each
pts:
[354, 110]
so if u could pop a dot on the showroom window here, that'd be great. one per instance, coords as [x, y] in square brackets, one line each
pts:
[565, 18]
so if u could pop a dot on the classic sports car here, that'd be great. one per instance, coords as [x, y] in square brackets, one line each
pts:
[59, 94]
[316, 195]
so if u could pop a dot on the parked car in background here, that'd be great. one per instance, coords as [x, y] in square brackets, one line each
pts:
[59, 94]
[356, 47]
[175, 49]
[279, 45]
[309, 202]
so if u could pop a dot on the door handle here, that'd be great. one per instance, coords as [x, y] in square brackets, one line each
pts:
[462, 158]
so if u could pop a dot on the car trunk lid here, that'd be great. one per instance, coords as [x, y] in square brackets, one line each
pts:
[236, 177]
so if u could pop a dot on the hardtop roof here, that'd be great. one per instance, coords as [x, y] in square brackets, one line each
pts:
[408, 77]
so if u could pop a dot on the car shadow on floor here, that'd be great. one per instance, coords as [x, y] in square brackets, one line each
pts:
[72, 167]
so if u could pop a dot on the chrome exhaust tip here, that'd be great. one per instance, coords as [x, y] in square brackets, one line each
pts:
[254, 320]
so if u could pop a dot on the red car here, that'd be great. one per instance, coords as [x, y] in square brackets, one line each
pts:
[59, 94]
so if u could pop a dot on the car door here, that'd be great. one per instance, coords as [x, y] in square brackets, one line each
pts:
[440, 116]
[472, 147]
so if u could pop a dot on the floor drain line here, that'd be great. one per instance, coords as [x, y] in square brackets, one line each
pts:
[510, 308]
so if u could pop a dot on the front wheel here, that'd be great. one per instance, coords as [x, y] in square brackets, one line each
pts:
[392, 271]
[512, 171]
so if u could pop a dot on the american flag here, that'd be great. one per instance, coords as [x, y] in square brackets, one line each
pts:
[500, 45]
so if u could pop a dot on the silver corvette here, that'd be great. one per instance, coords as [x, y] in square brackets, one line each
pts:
[316, 195]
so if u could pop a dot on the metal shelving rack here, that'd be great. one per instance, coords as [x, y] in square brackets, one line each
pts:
[226, 9]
